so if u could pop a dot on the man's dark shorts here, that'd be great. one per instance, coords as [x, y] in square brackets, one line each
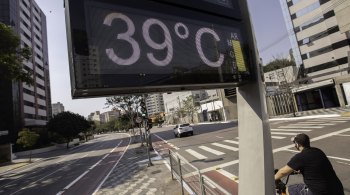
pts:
[298, 189]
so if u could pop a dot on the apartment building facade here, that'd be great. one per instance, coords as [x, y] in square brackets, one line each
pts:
[154, 104]
[22, 105]
[57, 108]
[321, 50]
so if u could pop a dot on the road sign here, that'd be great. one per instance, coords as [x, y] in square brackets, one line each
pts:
[141, 46]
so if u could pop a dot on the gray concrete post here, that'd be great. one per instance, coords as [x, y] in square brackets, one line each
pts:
[256, 169]
[255, 150]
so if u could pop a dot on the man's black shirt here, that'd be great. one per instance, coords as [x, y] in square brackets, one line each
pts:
[317, 171]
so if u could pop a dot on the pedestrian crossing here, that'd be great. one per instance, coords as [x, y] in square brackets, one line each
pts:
[282, 131]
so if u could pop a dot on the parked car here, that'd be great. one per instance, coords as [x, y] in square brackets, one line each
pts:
[182, 129]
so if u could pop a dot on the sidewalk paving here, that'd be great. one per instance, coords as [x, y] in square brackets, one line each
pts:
[133, 176]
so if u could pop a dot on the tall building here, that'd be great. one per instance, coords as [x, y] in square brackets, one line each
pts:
[321, 50]
[57, 108]
[154, 104]
[22, 105]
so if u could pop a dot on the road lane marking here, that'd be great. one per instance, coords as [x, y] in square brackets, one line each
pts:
[282, 133]
[82, 175]
[99, 186]
[231, 141]
[303, 127]
[343, 163]
[216, 152]
[338, 158]
[196, 154]
[219, 137]
[173, 146]
[278, 137]
[322, 121]
[228, 175]
[313, 139]
[46, 176]
[315, 123]
[331, 157]
[225, 146]
[343, 135]
[301, 130]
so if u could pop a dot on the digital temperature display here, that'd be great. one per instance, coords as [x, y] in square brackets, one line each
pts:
[139, 46]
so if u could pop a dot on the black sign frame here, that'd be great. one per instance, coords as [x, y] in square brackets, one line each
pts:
[78, 43]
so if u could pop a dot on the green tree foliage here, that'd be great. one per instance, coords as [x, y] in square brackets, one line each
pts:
[12, 56]
[130, 104]
[189, 108]
[68, 125]
[27, 139]
[278, 63]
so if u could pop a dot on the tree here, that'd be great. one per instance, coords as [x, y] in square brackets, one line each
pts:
[12, 56]
[278, 63]
[68, 125]
[188, 107]
[129, 104]
[27, 139]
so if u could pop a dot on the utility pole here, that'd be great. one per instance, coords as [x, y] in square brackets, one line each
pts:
[147, 132]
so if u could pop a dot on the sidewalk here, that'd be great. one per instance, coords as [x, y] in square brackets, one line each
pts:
[133, 176]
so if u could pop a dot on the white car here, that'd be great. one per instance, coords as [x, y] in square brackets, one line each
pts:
[182, 129]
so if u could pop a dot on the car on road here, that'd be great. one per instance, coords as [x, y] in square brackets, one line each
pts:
[181, 129]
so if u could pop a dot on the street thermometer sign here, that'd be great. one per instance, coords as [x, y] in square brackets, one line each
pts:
[142, 46]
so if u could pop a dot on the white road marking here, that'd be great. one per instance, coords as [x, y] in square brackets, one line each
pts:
[282, 133]
[219, 137]
[225, 146]
[343, 163]
[301, 130]
[343, 135]
[295, 127]
[99, 186]
[216, 152]
[313, 139]
[314, 123]
[334, 121]
[195, 154]
[337, 158]
[231, 141]
[331, 157]
[308, 124]
[228, 175]
[82, 175]
[278, 137]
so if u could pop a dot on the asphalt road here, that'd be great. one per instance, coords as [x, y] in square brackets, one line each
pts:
[216, 147]
[77, 171]
[213, 148]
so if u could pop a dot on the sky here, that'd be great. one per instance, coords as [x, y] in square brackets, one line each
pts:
[268, 24]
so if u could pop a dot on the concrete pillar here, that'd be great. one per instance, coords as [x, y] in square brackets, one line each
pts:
[255, 151]
[256, 167]
[340, 95]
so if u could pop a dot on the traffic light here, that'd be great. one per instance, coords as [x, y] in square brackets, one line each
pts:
[143, 109]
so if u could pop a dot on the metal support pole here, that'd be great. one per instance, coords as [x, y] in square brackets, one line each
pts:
[148, 152]
[201, 182]
[150, 141]
[171, 165]
[180, 173]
